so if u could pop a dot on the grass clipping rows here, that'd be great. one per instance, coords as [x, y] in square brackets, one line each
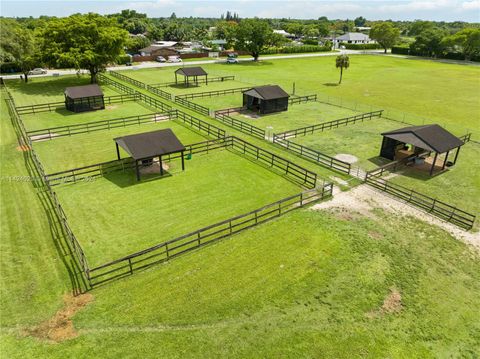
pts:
[60, 326]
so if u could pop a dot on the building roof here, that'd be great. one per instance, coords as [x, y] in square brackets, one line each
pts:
[353, 36]
[191, 71]
[165, 43]
[219, 42]
[283, 33]
[150, 144]
[429, 137]
[83, 91]
[268, 92]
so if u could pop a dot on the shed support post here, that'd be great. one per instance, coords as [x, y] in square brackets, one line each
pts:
[161, 167]
[183, 162]
[445, 160]
[433, 164]
[137, 170]
[456, 155]
[206, 79]
[118, 151]
[176, 82]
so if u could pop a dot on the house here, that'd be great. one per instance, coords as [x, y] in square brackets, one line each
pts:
[220, 43]
[158, 50]
[352, 38]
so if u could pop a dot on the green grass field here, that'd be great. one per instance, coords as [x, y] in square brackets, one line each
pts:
[44, 90]
[64, 153]
[213, 187]
[423, 90]
[362, 139]
[311, 284]
[63, 117]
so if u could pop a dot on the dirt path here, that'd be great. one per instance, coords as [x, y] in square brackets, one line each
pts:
[363, 199]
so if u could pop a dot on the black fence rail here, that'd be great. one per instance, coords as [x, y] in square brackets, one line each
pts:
[428, 204]
[44, 184]
[290, 169]
[170, 249]
[239, 125]
[314, 155]
[77, 129]
[87, 173]
[193, 106]
[302, 99]
[200, 81]
[117, 85]
[213, 93]
[54, 106]
[303, 131]
[140, 84]
[199, 125]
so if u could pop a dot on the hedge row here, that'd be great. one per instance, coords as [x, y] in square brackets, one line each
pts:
[295, 49]
[361, 46]
[404, 50]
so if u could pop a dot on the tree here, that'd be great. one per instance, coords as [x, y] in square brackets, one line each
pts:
[342, 62]
[360, 21]
[17, 45]
[420, 26]
[429, 42]
[88, 41]
[254, 36]
[467, 41]
[136, 43]
[385, 34]
[132, 21]
[226, 30]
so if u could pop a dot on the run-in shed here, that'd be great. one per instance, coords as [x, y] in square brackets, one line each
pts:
[84, 98]
[190, 72]
[144, 147]
[426, 138]
[266, 99]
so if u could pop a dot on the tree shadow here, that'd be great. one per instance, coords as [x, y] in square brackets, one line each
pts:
[331, 84]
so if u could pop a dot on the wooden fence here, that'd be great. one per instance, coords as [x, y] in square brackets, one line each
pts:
[314, 155]
[308, 130]
[200, 80]
[302, 99]
[170, 249]
[70, 130]
[291, 170]
[75, 247]
[244, 127]
[200, 125]
[431, 205]
[140, 84]
[216, 93]
[53, 106]
[193, 106]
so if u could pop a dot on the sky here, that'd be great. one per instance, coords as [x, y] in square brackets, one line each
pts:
[438, 10]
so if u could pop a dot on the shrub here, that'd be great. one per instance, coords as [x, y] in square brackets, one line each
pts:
[361, 46]
[402, 50]
[295, 49]
[123, 59]
[9, 67]
[310, 42]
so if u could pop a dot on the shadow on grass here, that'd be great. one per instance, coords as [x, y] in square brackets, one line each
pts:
[128, 178]
[379, 161]
[331, 84]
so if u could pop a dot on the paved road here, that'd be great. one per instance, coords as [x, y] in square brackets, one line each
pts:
[152, 64]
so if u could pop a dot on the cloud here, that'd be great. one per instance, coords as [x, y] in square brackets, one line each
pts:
[471, 5]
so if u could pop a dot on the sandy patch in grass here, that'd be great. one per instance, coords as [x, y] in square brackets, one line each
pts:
[364, 199]
[60, 327]
[45, 137]
[154, 168]
[392, 304]
[111, 107]
[23, 148]
[345, 157]
[161, 118]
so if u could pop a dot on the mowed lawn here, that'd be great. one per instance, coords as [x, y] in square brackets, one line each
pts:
[458, 186]
[63, 117]
[424, 90]
[47, 89]
[310, 284]
[64, 153]
[298, 115]
[116, 215]
[362, 140]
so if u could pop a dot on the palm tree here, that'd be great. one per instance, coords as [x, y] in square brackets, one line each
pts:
[342, 61]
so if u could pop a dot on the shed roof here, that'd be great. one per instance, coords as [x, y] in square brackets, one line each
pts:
[83, 91]
[191, 71]
[268, 92]
[150, 144]
[429, 137]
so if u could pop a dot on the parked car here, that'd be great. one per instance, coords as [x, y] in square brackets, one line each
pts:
[174, 59]
[37, 71]
[232, 58]
[160, 59]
